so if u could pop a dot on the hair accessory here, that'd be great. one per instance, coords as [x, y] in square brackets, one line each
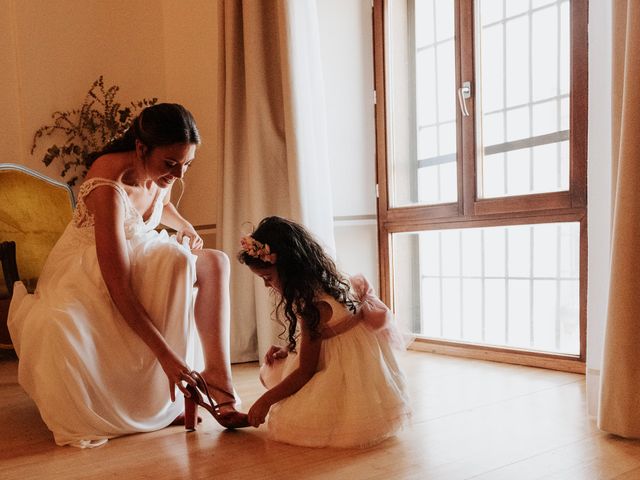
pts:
[255, 249]
[247, 229]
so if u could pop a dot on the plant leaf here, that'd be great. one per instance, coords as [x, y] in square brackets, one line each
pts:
[86, 129]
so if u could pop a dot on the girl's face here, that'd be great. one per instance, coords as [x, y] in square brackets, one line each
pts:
[167, 163]
[270, 277]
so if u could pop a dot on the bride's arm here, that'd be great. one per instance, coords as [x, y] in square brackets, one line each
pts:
[172, 218]
[109, 213]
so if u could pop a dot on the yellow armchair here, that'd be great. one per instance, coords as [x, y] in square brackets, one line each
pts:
[34, 211]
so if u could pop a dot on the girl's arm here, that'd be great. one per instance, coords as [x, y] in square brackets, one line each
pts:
[172, 218]
[309, 355]
[109, 213]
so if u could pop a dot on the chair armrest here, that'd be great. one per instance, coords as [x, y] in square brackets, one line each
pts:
[9, 265]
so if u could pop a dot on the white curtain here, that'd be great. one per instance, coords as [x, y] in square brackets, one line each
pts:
[273, 145]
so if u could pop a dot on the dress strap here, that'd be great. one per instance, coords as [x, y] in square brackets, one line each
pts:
[90, 185]
[81, 215]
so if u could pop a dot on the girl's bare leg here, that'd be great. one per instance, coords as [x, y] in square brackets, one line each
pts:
[212, 315]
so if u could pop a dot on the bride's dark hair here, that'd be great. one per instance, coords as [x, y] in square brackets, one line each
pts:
[156, 126]
[304, 271]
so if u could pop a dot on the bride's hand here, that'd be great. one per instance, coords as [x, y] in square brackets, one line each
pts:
[195, 241]
[178, 373]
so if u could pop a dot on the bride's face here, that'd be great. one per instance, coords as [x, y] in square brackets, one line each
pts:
[167, 163]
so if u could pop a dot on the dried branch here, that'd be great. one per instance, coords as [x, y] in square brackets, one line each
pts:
[87, 129]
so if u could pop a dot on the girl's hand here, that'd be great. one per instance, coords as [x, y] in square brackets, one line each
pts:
[195, 241]
[275, 352]
[177, 372]
[258, 412]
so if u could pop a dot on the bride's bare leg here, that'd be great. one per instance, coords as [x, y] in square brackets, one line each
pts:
[212, 313]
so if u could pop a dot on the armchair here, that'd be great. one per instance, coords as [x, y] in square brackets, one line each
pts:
[34, 211]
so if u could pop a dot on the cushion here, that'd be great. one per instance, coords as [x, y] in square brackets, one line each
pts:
[34, 211]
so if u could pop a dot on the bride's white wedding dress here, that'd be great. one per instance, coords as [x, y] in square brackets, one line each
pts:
[90, 375]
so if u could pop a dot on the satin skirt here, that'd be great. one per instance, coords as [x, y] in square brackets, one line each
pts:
[91, 377]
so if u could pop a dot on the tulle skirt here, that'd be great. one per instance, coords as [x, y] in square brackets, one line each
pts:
[357, 397]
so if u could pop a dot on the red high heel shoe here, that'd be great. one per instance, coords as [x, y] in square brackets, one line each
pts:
[230, 419]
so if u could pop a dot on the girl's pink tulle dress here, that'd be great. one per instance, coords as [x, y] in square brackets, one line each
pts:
[358, 396]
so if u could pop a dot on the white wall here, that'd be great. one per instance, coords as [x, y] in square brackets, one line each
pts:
[11, 137]
[192, 41]
[347, 60]
[599, 190]
[53, 50]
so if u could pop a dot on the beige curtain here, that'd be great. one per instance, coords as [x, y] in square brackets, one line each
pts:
[273, 145]
[620, 388]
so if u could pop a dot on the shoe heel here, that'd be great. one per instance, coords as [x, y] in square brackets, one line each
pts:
[190, 414]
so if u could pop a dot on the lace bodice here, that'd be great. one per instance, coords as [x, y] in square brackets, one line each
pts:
[133, 221]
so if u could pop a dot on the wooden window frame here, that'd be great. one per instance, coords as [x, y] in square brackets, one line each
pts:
[469, 210]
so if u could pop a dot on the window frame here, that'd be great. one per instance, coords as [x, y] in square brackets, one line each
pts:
[471, 211]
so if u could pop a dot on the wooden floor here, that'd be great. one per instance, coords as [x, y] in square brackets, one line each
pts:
[473, 419]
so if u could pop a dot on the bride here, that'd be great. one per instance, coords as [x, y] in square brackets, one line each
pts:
[122, 313]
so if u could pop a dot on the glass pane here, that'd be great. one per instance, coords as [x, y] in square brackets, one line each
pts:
[522, 100]
[513, 286]
[421, 102]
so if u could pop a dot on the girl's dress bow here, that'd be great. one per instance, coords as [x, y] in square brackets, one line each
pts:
[375, 313]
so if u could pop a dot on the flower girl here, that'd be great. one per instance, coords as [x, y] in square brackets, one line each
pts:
[337, 383]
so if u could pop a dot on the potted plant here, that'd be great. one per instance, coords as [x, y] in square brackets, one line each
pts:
[87, 130]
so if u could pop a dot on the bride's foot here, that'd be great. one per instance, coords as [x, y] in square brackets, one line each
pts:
[223, 395]
[217, 401]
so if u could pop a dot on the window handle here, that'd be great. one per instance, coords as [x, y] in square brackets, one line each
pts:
[464, 92]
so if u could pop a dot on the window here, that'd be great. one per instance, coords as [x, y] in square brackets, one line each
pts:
[481, 152]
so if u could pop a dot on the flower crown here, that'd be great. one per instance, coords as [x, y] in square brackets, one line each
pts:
[255, 249]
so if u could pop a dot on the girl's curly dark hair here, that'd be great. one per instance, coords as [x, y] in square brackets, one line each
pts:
[304, 271]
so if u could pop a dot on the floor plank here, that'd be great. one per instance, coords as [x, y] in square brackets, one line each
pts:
[472, 419]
